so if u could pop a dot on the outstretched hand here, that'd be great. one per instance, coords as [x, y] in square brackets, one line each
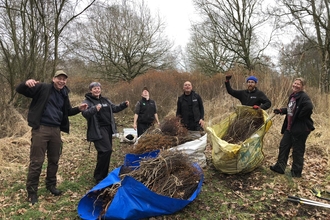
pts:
[31, 83]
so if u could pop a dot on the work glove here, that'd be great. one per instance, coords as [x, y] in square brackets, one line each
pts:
[255, 107]
[228, 77]
[277, 111]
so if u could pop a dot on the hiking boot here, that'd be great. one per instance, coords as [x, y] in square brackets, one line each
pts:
[54, 191]
[295, 174]
[33, 198]
[276, 169]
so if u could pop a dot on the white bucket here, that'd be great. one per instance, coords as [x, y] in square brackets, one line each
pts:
[126, 132]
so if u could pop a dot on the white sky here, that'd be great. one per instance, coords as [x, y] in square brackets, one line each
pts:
[177, 15]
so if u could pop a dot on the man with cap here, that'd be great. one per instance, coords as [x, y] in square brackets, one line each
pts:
[48, 116]
[251, 96]
[145, 113]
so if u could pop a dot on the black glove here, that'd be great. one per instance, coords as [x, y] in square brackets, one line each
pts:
[277, 111]
[228, 77]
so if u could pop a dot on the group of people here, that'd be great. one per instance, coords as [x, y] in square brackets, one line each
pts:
[50, 109]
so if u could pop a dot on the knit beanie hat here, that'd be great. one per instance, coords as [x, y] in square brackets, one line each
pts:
[252, 78]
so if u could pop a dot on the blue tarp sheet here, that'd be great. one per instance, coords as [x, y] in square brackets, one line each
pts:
[133, 200]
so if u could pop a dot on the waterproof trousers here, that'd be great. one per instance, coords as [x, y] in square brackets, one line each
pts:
[298, 144]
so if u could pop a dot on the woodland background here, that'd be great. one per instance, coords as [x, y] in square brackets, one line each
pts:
[123, 46]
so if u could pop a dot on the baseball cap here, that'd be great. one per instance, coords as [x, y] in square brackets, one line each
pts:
[60, 72]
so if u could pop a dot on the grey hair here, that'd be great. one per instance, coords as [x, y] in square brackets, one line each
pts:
[93, 84]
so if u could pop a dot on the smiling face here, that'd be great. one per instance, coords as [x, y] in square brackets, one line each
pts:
[59, 81]
[96, 91]
[297, 86]
[187, 87]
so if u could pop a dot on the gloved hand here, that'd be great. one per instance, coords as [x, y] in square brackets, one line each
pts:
[228, 77]
[277, 111]
[255, 107]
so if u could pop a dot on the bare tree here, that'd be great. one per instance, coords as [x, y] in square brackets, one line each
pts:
[311, 19]
[125, 41]
[205, 54]
[30, 37]
[227, 34]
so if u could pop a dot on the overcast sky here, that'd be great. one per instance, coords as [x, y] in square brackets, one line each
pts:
[177, 14]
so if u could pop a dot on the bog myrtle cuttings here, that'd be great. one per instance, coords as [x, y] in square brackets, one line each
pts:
[170, 174]
[171, 133]
[243, 126]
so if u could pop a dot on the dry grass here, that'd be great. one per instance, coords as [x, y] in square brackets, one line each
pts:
[164, 89]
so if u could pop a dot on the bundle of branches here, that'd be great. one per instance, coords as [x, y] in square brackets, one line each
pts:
[151, 142]
[170, 174]
[243, 126]
[172, 126]
[171, 133]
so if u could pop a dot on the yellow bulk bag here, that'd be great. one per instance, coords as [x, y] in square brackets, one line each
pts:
[241, 157]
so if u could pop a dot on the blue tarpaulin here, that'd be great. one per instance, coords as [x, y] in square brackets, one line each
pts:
[133, 200]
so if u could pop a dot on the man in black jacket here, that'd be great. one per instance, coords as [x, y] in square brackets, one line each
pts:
[251, 96]
[190, 109]
[48, 116]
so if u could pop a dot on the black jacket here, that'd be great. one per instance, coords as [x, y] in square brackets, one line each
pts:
[93, 127]
[197, 109]
[146, 110]
[255, 97]
[301, 120]
[40, 95]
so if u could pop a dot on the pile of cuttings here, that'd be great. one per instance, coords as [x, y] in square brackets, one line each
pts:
[171, 133]
[170, 174]
[243, 126]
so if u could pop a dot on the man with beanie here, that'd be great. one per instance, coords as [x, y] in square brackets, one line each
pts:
[145, 113]
[48, 116]
[251, 96]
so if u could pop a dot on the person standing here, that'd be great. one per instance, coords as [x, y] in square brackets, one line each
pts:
[145, 113]
[251, 96]
[101, 126]
[190, 110]
[296, 127]
[48, 116]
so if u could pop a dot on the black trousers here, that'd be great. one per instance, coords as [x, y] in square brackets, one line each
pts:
[104, 151]
[298, 144]
[141, 128]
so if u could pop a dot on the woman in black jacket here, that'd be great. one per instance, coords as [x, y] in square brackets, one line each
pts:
[101, 126]
[296, 127]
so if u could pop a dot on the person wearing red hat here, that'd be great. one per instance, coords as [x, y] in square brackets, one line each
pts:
[145, 113]
[251, 96]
